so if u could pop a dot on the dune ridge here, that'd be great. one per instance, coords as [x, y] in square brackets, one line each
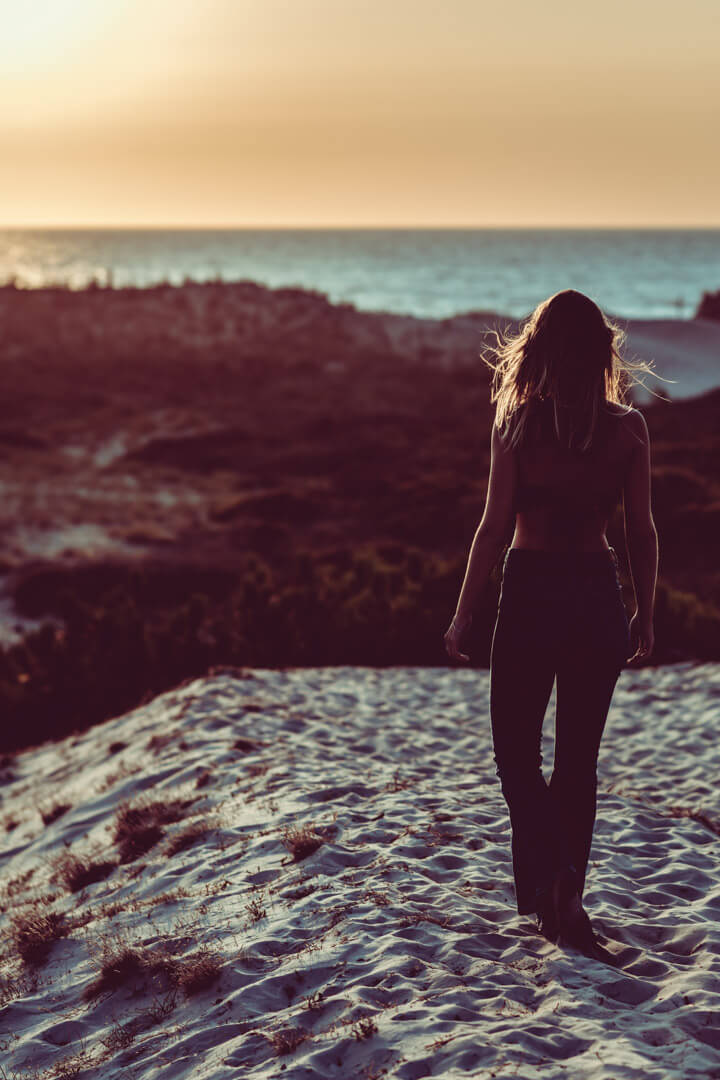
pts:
[307, 873]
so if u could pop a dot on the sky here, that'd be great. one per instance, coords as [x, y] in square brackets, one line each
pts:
[359, 113]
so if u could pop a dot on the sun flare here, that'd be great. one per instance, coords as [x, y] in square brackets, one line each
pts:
[41, 34]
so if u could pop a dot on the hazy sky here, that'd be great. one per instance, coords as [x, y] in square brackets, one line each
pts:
[359, 112]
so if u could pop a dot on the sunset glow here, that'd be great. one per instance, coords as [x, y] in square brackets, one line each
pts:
[314, 112]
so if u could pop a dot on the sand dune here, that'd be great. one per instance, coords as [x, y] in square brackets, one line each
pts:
[327, 889]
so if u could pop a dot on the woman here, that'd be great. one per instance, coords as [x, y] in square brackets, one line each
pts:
[564, 448]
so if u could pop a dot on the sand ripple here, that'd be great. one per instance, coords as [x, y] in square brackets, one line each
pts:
[354, 880]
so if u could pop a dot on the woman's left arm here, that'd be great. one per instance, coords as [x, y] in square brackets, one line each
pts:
[489, 538]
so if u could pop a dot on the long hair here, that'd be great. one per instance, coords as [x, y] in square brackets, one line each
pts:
[567, 351]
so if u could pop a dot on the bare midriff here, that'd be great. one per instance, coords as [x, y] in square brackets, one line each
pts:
[565, 500]
[542, 531]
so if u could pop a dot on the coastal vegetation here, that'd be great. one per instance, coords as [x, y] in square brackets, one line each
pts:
[224, 474]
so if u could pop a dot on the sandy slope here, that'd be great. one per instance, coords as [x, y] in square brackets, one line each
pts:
[394, 947]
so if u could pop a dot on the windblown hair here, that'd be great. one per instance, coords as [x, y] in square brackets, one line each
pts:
[567, 351]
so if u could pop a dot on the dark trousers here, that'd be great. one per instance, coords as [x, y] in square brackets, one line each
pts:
[560, 617]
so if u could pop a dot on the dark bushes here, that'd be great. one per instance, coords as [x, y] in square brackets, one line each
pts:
[379, 604]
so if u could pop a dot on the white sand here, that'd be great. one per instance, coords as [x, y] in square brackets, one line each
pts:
[395, 947]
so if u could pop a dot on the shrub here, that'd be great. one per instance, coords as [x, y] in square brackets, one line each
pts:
[52, 813]
[33, 934]
[301, 841]
[138, 825]
[76, 873]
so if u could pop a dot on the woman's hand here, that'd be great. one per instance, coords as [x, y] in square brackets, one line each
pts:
[642, 637]
[453, 634]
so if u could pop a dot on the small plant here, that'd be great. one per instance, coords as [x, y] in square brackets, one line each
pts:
[376, 896]
[314, 1001]
[158, 742]
[301, 841]
[122, 963]
[120, 1036]
[188, 836]
[109, 910]
[70, 1067]
[138, 825]
[398, 783]
[247, 746]
[286, 1040]
[255, 910]
[160, 1008]
[198, 971]
[18, 884]
[76, 873]
[364, 1028]
[701, 816]
[123, 770]
[34, 934]
[53, 812]
[12, 989]
[169, 897]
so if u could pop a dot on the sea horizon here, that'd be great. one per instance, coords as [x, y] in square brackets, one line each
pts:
[642, 272]
[101, 226]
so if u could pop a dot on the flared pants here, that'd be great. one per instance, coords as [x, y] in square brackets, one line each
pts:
[560, 618]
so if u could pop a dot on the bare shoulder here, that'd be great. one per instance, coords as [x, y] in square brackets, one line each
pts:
[631, 423]
[636, 425]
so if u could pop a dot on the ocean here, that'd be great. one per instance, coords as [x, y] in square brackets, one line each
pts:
[630, 273]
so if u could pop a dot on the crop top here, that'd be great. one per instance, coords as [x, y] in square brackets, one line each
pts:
[573, 483]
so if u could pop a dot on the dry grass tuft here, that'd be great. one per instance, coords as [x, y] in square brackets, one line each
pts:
[364, 1028]
[158, 742]
[76, 873]
[301, 841]
[123, 770]
[247, 746]
[111, 908]
[70, 1067]
[33, 935]
[286, 1040]
[53, 812]
[14, 886]
[120, 1036]
[255, 910]
[138, 825]
[160, 1009]
[701, 816]
[198, 971]
[188, 836]
[171, 897]
[122, 963]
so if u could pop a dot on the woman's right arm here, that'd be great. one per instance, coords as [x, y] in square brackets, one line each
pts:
[640, 536]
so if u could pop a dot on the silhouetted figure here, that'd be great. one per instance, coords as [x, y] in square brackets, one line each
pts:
[564, 450]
